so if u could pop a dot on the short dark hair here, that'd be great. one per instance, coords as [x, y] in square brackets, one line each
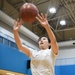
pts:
[47, 38]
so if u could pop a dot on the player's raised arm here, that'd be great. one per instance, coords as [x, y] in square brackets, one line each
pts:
[44, 22]
[17, 25]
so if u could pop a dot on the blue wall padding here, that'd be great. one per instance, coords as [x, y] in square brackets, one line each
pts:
[67, 70]
[29, 72]
[57, 70]
[12, 59]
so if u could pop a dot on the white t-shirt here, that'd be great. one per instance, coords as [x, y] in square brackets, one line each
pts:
[42, 62]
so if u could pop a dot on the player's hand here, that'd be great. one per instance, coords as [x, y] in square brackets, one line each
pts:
[17, 24]
[43, 20]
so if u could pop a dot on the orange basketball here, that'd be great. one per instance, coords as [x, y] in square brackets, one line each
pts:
[28, 12]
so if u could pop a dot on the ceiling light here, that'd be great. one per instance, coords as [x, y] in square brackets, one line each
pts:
[62, 22]
[52, 10]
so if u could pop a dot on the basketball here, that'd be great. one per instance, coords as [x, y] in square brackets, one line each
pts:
[28, 12]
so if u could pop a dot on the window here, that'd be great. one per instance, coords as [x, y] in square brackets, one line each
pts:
[5, 41]
[11, 44]
[15, 46]
[1, 39]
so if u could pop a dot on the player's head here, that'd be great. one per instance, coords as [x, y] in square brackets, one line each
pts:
[44, 43]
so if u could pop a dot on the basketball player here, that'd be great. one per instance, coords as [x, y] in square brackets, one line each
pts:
[42, 61]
